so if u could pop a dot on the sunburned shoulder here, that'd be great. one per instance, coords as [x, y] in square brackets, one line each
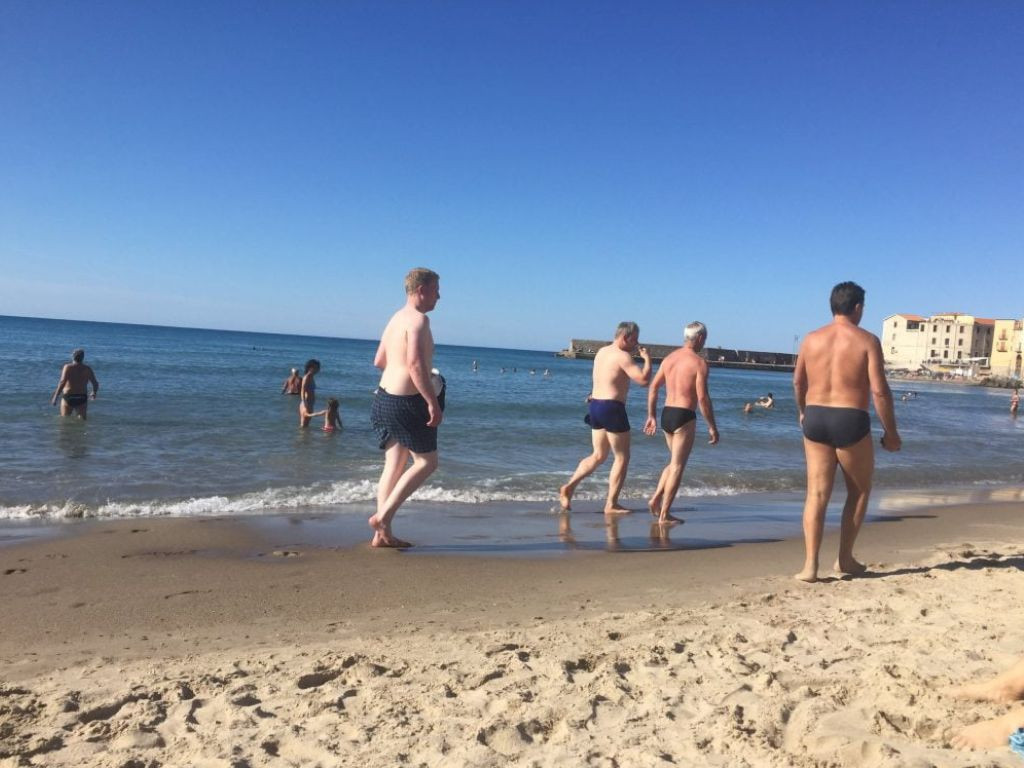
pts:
[415, 319]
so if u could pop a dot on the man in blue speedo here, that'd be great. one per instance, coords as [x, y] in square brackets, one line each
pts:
[613, 370]
[839, 367]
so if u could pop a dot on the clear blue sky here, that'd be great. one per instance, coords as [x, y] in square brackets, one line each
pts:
[279, 166]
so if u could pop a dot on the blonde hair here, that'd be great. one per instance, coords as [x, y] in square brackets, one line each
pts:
[419, 277]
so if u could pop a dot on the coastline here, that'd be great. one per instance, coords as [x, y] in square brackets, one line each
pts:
[360, 656]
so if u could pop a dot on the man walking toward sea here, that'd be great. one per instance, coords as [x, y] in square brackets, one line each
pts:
[839, 367]
[685, 376]
[613, 370]
[73, 387]
[407, 406]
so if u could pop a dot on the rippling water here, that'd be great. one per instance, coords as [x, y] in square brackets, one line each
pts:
[192, 422]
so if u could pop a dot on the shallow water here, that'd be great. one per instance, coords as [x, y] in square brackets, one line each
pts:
[191, 422]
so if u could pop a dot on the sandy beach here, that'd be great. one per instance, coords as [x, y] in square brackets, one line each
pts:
[210, 643]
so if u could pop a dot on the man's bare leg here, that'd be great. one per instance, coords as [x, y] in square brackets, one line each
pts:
[586, 467]
[858, 464]
[1009, 686]
[680, 444]
[990, 733]
[821, 474]
[423, 465]
[617, 477]
[654, 505]
[396, 458]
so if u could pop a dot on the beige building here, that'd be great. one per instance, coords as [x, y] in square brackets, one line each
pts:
[1007, 352]
[903, 341]
[953, 343]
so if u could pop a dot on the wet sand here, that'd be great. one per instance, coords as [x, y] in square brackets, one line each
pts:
[232, 642]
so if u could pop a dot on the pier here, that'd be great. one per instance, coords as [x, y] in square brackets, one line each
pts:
[717, 357]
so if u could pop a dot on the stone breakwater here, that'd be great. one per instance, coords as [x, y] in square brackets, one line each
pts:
[719, 357]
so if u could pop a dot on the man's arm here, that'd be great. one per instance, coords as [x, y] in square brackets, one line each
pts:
[651, 425]
[641, 376]
[882, 396]
[380, 359]
[800, 384]
[95, 384]
[60, 385]
[704, 401]
[417, 340]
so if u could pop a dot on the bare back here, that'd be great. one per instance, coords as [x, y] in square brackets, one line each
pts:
[75, 379]
[682, 371]
[406, 343]
[612, 368]
[839, 366]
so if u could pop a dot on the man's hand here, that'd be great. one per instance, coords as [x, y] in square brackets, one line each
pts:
[650, 426]
[891, 441]
[436, 414]
[712, 435]
[644, 354]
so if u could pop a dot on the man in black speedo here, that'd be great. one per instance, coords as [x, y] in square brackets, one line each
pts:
[840, 366]
[685, 376]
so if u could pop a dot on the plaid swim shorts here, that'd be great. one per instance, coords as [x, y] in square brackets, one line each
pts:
[403, 418]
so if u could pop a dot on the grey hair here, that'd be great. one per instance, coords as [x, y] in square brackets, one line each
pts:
[695, 329]
[627, 328]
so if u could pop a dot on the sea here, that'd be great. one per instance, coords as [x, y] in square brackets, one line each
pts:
[192, 422]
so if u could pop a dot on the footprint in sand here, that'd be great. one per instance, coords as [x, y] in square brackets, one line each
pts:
[12, 571]
[316, 679]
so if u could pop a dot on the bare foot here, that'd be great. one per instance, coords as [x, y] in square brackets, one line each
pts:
[989, 733]
[655, 506]
[615, 509]
[852, 568]
[669, 519]
[807, 575]
[381, 535]
[564, 498]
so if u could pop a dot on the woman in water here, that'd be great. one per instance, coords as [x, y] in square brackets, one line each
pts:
[307, 395]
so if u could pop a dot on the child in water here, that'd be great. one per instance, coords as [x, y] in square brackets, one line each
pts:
[332, 416]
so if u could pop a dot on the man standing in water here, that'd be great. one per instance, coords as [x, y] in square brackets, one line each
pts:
[839, 367]
[406, 407]
[73, 387]
[613, 370]
[685, 376]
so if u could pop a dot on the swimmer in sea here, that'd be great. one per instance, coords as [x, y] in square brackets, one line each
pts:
[293, 384]
[73, 387]
[332, 416]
